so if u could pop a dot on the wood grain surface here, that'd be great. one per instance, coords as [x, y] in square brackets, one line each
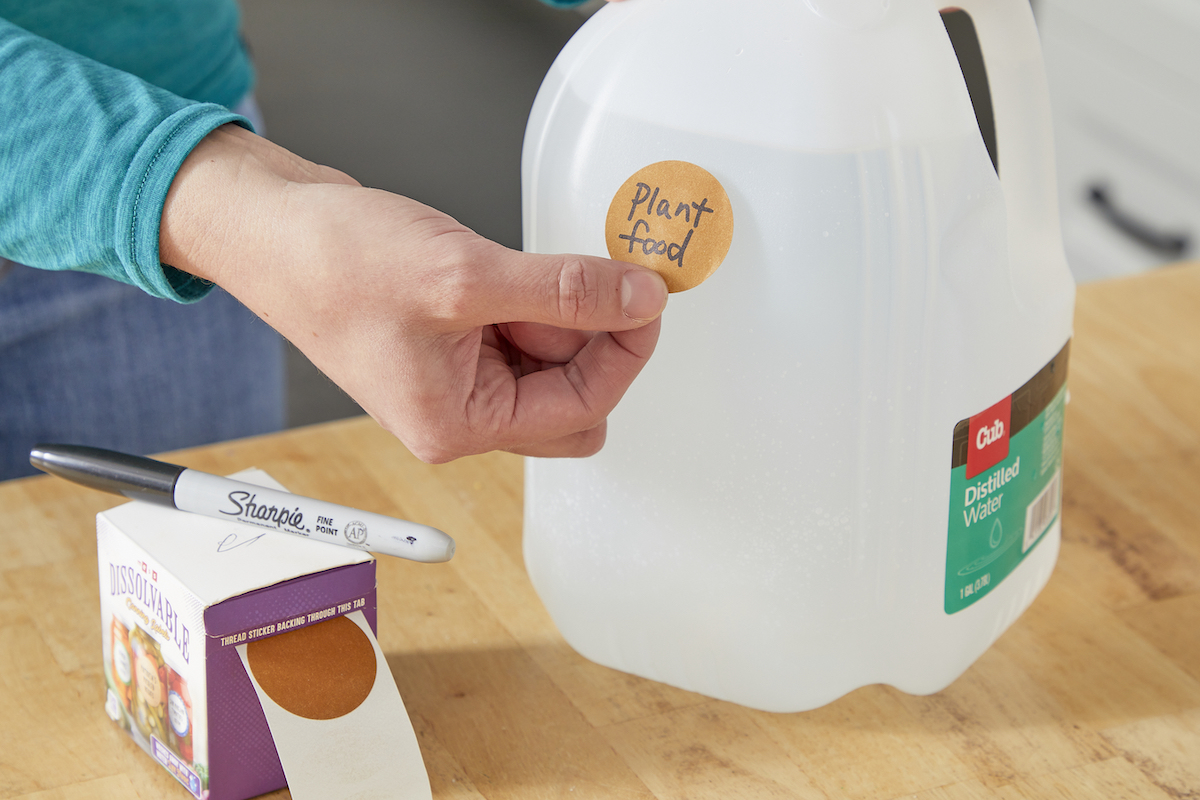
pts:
[1093, 693]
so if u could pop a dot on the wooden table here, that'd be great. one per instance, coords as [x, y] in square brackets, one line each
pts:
[1093, 693]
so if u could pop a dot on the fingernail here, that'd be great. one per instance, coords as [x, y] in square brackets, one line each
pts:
[643, 294]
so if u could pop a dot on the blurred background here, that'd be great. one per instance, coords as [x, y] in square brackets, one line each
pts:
[428, 98]
[1125, 91]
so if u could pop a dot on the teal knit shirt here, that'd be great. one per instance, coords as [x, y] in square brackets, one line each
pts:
[100, 103]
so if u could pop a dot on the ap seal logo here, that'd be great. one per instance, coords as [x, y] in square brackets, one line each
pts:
[355, 533]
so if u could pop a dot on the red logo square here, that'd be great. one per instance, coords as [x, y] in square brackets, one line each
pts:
[987, 444]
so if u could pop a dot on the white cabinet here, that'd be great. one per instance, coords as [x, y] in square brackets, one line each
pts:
[1124, 81]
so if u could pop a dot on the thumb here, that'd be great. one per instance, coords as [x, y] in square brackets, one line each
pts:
[584, 293]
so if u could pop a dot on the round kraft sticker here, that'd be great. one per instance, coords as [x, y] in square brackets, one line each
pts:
[673, 217]
[323, 671]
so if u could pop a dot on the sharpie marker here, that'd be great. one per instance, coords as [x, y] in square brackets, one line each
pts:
[222, 498]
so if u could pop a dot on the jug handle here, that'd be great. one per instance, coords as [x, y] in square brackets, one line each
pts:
[1012, 56]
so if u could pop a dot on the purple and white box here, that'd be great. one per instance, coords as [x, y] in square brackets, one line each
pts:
[178, 594]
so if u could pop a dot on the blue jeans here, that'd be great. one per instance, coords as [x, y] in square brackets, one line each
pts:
[87, 360]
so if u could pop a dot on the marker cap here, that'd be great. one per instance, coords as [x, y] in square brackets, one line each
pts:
[134, 477]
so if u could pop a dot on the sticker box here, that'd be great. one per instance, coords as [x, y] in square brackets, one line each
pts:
[178, 593]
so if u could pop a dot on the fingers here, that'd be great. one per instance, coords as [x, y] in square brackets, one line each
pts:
[548, 411]
[562, 411]
[546, 342]
[576, 445]
[583, 293]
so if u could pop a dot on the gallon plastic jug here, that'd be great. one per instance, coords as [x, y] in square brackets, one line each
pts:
[842, 465]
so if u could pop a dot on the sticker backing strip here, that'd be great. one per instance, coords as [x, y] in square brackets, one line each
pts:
[367, 752]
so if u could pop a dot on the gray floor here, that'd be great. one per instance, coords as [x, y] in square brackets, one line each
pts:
[426, 98]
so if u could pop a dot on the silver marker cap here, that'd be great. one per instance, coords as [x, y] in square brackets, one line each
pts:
[134, 477]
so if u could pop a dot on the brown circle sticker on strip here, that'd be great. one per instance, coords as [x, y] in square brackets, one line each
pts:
[323, 671]
[673, 217]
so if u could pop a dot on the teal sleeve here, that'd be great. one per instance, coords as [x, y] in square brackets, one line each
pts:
[87, 154]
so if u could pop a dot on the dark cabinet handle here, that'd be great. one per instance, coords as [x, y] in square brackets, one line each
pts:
[1172, 245]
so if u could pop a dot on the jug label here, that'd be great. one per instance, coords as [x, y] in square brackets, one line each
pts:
[1005, 484]
[673, 217]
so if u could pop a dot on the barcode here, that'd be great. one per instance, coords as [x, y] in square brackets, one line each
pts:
[1042, 511]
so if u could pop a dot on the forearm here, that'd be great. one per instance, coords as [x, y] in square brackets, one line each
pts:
[227, 209]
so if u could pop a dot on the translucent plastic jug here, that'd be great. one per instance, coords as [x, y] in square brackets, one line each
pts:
[842, 466]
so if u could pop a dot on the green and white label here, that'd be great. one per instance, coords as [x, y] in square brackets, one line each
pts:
[1005, 484]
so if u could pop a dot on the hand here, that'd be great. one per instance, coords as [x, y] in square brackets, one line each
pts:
[455, 344]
